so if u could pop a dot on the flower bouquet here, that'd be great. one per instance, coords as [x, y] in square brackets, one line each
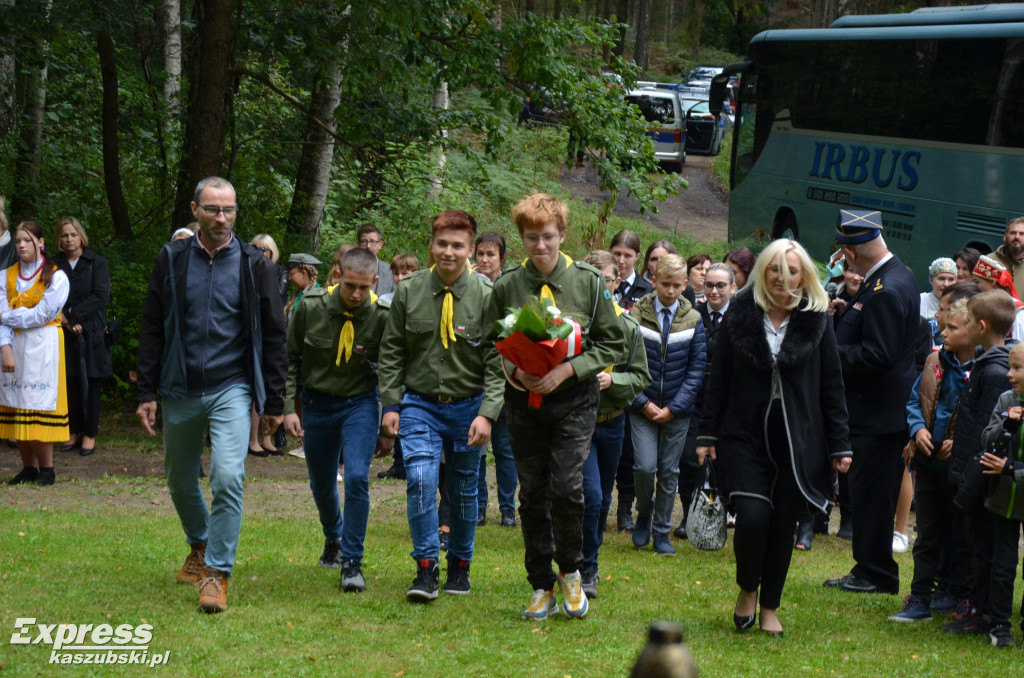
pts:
[536, 338]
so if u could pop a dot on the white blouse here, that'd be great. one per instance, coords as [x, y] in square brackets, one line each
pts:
[48, 308]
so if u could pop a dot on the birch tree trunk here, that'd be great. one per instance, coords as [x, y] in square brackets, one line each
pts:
[170, 17]
[441, 103]
[306, 215]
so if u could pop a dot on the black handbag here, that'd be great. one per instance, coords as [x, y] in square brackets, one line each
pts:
[112, 333]
[705, 517]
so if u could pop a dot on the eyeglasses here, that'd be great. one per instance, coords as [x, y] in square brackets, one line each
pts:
[708, 287]
[213, 210]
[548, 238]
[367, 243]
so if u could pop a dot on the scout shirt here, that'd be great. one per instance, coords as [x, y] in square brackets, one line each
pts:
[630, 374]
[413, 357]
[314, 340]
[580, 293]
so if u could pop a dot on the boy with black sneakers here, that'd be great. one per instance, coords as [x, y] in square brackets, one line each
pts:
[434, 395]
[333, 341]
[550, 443]
[990, 316]
[932, 402]
[1007, 471]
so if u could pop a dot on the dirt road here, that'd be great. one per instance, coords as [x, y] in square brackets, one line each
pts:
[700, 211]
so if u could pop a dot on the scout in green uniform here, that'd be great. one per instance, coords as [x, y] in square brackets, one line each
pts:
[333, 341]
[550, 443]
[620, 383]
[432, 366]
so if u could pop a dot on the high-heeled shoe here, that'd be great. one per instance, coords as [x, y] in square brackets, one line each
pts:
[744, 623]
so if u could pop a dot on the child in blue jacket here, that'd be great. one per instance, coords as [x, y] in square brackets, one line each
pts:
[660, 416]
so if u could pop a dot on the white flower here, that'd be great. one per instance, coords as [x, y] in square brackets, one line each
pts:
[510, 321]
[553, 310]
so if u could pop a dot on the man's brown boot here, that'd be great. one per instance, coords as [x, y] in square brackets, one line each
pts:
[213, 591]
[195, 563]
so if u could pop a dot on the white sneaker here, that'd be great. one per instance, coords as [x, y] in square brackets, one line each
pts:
[542, 605]
[900, 542]
[299, 452]
[574, 601]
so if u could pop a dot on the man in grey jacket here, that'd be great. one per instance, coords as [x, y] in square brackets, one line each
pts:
[212, 343]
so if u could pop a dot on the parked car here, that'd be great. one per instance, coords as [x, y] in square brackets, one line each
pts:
[540, 107]
[701, 75]
[662, 110]
[704, 132]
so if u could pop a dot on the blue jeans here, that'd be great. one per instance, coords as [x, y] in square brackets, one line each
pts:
[185, 420]
[334, 426]
[504, 468]
[598, 482]
[425, 427]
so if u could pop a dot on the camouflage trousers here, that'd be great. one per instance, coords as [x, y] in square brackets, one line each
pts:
[550, 444]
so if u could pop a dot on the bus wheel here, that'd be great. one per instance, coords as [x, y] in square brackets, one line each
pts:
[785, 227]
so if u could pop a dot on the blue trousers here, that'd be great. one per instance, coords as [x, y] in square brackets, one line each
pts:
[335, 427]
[598, 482]
[227, 414]
[504, 468]
[425, 428]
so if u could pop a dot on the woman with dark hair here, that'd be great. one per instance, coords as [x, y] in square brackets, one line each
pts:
[742, 261]
[696, 268]
[33, 390]
[655, 251]
[966, 259]
[626, 250]
[489, 255]
[775, 419]
[84, 320]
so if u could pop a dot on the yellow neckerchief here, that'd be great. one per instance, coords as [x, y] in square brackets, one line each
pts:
[30, 297]
[348, 332]
[545, 291]
[448, 312]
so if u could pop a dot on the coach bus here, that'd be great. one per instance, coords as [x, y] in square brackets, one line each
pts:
[918, 115]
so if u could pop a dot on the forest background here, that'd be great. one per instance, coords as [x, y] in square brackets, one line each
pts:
[330, 114]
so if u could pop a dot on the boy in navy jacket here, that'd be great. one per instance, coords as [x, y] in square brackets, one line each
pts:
[674, 340]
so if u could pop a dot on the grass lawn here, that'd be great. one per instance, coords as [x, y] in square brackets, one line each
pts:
[106, 550]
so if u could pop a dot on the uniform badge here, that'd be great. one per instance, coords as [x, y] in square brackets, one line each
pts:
[607, 294]
[461, 328]
[858, 306]
[878, 285]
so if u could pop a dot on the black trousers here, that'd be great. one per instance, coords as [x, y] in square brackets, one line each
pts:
[84, 413]
[1005, 537]
[934, 498]
[550, 444]
[875, 478]
[763, 541]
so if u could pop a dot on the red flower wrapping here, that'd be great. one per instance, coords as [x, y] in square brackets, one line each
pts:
[533, 357]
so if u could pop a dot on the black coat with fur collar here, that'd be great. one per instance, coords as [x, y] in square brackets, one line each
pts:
[738, 399]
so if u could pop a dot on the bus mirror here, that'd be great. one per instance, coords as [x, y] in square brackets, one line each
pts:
[717, 95]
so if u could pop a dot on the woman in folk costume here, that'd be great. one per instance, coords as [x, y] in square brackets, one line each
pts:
[33, 394]
[991, 275]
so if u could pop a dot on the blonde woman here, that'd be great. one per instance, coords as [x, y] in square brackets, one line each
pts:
[775, 420]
